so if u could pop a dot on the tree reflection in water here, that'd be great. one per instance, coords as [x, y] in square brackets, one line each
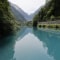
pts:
[7, 48]
[51, 40]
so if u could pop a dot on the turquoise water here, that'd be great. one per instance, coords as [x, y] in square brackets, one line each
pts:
[31, 44]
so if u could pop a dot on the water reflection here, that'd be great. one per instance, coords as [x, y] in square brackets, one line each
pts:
[31, 44]
[51, 40]
[7, 48]
[7, 45]
[37, 45]
[31, 48]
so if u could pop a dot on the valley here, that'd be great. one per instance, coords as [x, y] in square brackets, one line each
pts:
[32, 33]
[13, 17]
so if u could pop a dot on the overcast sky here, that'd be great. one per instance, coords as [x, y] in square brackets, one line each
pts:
[29, 6]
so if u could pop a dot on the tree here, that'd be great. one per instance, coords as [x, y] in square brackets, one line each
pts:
[7, 22]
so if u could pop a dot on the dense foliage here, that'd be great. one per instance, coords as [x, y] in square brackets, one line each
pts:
[51, 11]
[7, 21]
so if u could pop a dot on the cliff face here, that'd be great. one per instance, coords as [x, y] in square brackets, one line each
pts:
[7, 21]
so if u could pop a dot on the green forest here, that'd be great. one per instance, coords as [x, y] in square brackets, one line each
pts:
[49, 12]
[31, 32]
[8, 24]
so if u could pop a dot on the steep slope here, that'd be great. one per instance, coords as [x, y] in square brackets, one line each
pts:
[51, 11]
[18, 13]
[35, 13]
[7, 22]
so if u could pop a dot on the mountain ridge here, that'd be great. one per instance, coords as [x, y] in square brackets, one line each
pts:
[24, 14]
[17, 13]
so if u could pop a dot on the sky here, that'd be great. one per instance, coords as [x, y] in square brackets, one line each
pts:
[29, 6]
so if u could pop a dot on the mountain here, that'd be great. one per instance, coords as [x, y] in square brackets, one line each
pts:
[20, 14]
[49, 12]
[8, 24]
[35, 13]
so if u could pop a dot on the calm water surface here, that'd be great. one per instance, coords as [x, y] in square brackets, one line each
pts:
[31, 44]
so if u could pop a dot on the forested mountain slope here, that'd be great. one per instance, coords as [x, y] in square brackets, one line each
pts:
[49, 12]
[7, 22]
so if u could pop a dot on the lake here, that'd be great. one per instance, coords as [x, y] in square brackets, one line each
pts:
[31, 44]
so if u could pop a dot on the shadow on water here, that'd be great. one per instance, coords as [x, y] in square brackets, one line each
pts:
[7, 44]
[51, 40]
[12, 37]
[7, 48]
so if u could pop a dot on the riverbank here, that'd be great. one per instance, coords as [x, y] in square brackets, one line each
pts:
[49, 24]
